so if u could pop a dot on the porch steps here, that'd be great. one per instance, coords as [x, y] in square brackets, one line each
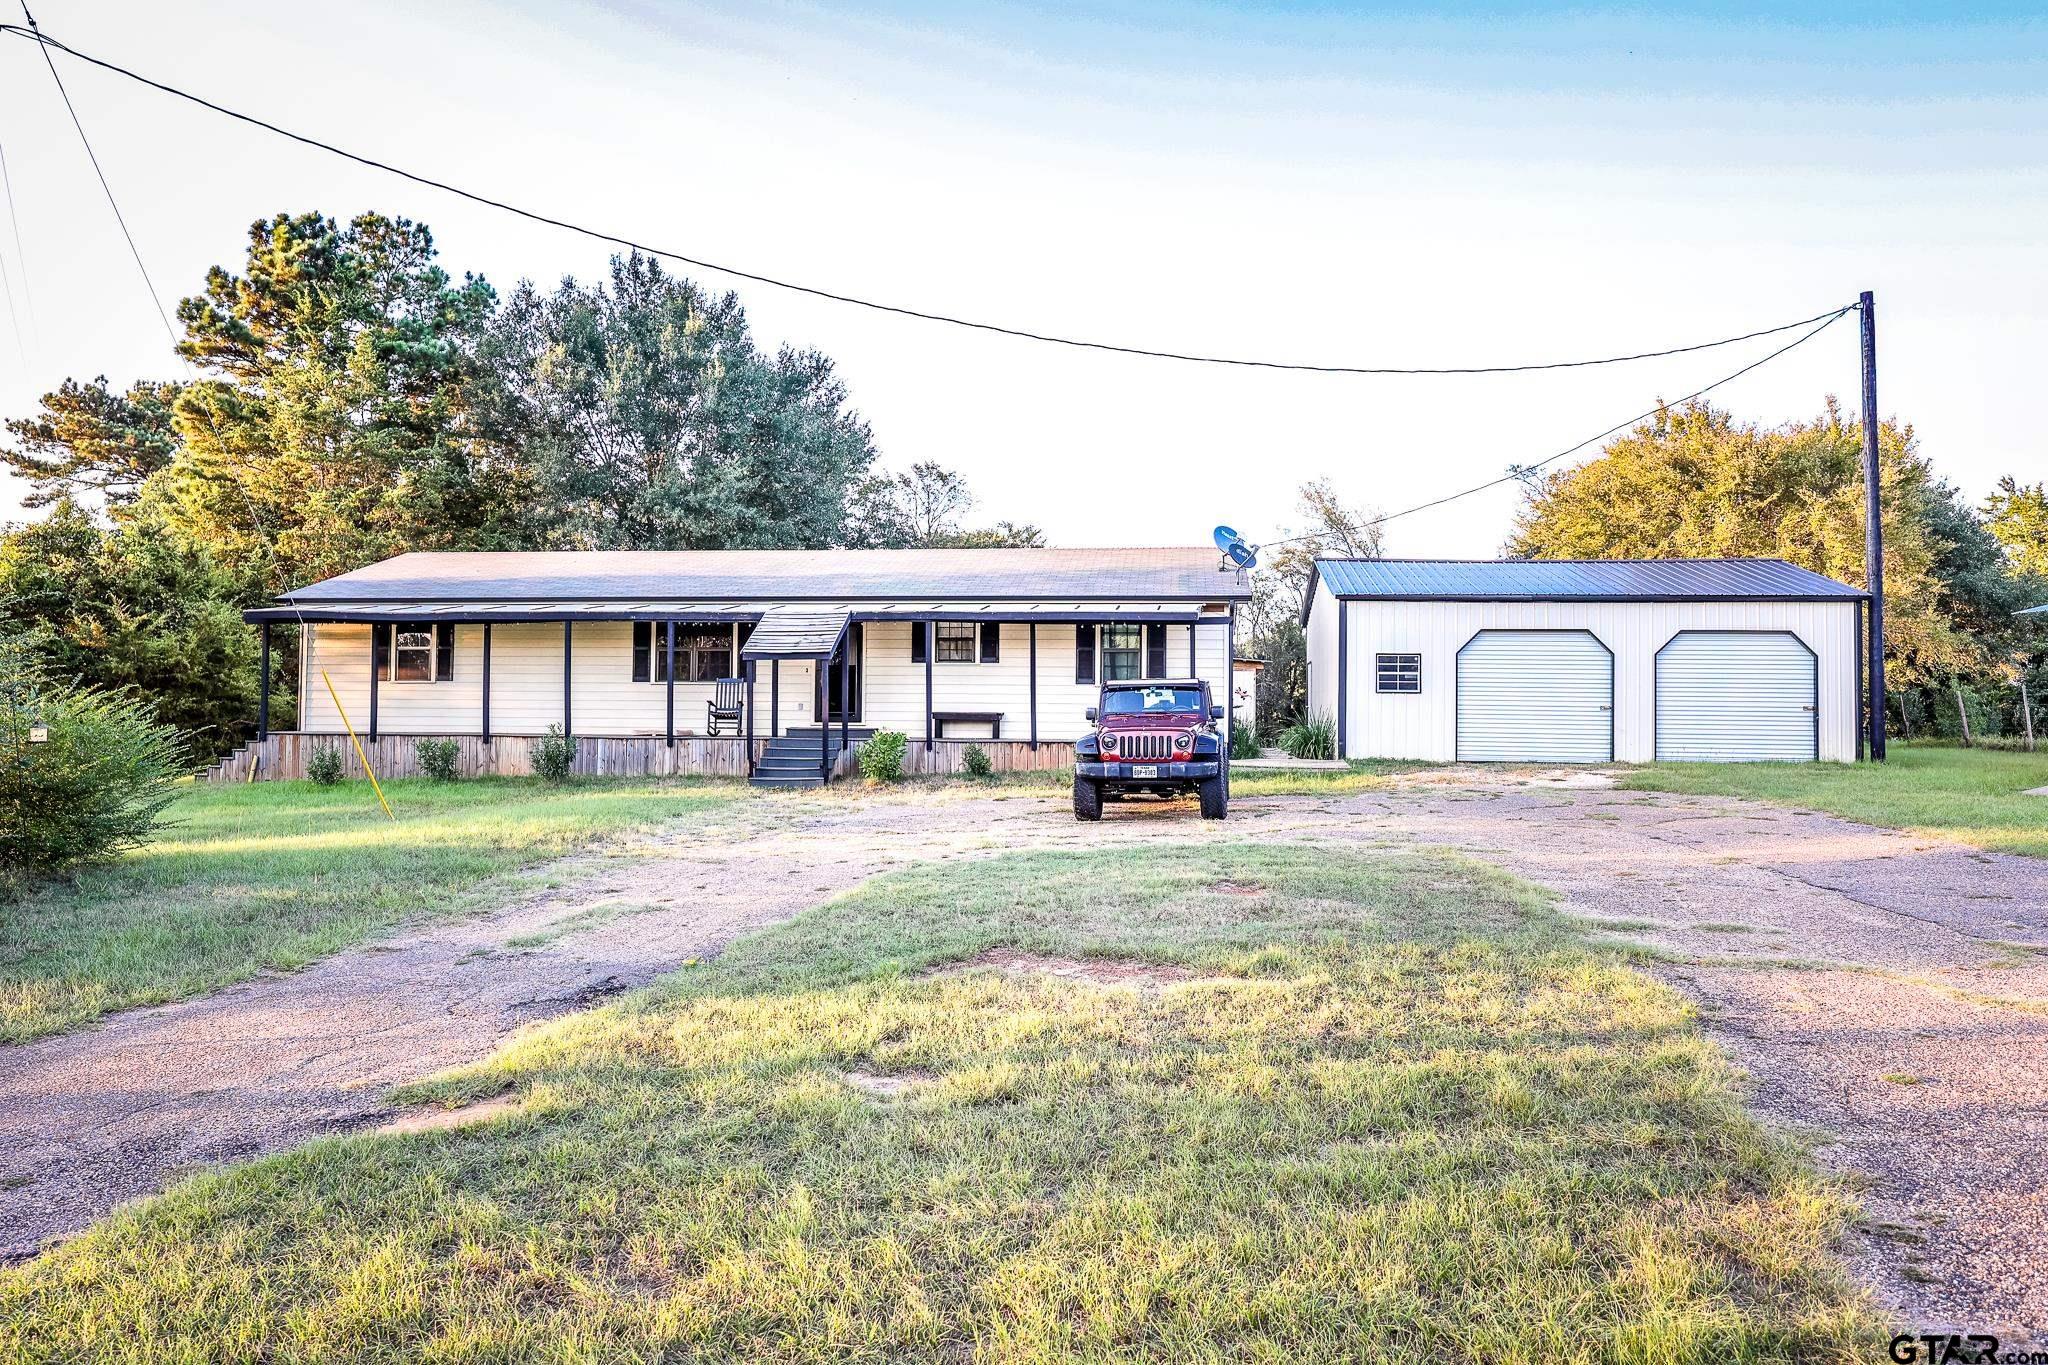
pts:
[791, 758]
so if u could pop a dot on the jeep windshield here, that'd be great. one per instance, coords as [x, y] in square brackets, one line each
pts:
[1143, 701]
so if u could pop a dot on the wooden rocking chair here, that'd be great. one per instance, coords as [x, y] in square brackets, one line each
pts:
[724, 707]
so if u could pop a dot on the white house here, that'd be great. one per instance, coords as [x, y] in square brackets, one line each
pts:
[726, 660]
[1585, 661]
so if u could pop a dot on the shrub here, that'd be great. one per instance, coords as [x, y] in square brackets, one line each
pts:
[1244, 741]
[95, 783]
[437, 758]
[977, 761]
[881, 758]
[554, 753]
[1310, 737]
[324, 767]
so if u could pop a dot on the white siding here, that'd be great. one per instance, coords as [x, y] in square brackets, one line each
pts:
[526, 683]
[1424, 725]
[893, 683]
[1322, 654]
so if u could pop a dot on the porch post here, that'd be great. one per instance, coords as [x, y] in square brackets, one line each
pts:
[374, 628]
[670, 674]
[263, 696]
[1230, 700]
[824, 725]
[931, 645]
[1032, 654]
[1194, 668]
[486, 678]
[774, 699]
[845, 684]
[568, 642]
[748, 665]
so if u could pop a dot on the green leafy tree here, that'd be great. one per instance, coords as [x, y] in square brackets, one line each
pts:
[1693, 482]
[90, 440]
[652, 420]
[84, 773]
[329, 428]
[2017, 515]
[922, 507]
[1329, 527]
[138, 610]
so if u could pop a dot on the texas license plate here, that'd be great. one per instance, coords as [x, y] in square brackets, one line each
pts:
[1144, 770]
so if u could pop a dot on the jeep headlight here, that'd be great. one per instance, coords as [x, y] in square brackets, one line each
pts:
[1108, 742]
[1185, 741]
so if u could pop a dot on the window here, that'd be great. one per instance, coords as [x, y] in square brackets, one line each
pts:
[1398, 672]
[1123, 652]
[1139, 701]
[415, 651]
[959, 642]
[702, 655]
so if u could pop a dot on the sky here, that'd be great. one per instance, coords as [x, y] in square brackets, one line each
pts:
[1319, 183]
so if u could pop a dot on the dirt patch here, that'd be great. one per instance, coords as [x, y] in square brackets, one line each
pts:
[1238, 888]
[1096, 971]
[436, 1120]
[875, 1085]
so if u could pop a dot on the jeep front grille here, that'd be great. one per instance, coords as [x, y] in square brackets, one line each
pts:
[1141, 747]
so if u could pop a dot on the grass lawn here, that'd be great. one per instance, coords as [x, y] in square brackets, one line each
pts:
[1968, 794]
[1367, 1105]
[276, 874]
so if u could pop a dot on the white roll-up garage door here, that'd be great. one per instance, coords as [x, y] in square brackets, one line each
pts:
[1731, 696]
[1535, 696]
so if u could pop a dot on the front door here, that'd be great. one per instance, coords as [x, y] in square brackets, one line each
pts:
[850, 666]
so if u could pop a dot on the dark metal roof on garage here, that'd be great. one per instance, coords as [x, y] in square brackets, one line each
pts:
[1579, 580]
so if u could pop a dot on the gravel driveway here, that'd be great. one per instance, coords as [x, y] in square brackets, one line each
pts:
[1888, 993]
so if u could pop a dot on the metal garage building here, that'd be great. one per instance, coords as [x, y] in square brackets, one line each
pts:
[1585, 661]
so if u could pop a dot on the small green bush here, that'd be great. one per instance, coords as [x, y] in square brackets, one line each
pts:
[976, 760]
[881, 758]
[1244, 741]
[554, 754]
[1310, 737]
[437, 758]
[324, 767]
[84, 773]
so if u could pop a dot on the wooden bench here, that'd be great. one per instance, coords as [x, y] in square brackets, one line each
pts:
[992, 719]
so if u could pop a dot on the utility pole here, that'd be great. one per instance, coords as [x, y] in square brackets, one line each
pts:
[1873, 526]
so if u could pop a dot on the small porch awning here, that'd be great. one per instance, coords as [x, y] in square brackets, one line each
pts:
[797, 632]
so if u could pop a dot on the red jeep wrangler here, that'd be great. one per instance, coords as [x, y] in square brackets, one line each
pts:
[1157, 737]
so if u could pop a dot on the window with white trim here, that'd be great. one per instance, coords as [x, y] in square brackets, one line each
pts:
[702, 655]
[1398, 672]
[1123, 652]
[959, 642]
[415, 651]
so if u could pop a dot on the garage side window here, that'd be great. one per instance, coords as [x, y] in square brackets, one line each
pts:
[1398, 672]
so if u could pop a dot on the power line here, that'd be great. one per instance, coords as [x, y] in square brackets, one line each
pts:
[21, 258]
[615, 239]
[1521, 471]
[44, 45]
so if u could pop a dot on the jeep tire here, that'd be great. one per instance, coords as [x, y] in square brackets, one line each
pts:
[1215, 794]
[1087, 799]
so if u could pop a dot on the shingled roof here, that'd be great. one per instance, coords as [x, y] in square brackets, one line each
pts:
[1185, 573]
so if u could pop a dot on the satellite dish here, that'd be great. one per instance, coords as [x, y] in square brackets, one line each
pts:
[1234, 549]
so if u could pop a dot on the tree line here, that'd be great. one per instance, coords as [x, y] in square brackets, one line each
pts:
[346, 398]
[1698, 482]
